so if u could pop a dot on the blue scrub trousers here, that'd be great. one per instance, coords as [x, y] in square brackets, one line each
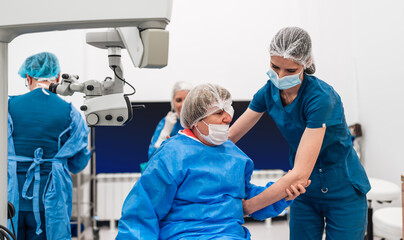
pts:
[333, 203]
[27, 226]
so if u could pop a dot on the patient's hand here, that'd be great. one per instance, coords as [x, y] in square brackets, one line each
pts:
[295, 191]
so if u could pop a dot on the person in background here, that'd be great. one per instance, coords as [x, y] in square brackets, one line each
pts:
[47, 139]
[310, 116]
[170, 124]
[194, 185]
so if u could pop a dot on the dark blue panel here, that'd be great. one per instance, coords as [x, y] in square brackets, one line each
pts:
[264, 143]
[122, 149]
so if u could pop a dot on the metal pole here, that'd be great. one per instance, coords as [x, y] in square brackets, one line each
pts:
[78, 201]
[369, 234]
[94, 213]
[402, 198]
[3, 131]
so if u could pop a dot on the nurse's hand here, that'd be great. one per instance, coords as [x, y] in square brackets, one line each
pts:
[295, 191]
[245, 212]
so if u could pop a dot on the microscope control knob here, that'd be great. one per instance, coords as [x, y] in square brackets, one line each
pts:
[83, 108]
[90, 87]
[108, 117]
[120, 119]
[92, 119]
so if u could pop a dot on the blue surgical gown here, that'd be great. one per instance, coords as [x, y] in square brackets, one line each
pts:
[38, 120]
[177, 127]
[318, 105]
[40, 142]
[192, 191]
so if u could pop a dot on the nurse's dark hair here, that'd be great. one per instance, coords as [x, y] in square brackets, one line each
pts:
[294, 43]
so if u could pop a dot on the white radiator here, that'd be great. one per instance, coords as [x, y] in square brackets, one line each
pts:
[262, 177]
[112, 190]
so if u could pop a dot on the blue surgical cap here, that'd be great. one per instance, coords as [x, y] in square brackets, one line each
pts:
[42, 65]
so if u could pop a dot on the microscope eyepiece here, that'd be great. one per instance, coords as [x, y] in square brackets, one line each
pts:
[68, 76]
[53, 86]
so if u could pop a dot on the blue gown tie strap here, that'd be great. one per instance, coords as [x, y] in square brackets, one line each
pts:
[34, 172]
[34, 175]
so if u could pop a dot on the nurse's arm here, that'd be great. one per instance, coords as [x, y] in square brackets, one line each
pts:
[306, 157]
[307, 153]
[243, 124]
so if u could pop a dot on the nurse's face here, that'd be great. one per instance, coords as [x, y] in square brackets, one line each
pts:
[178, 100]
[284, 67]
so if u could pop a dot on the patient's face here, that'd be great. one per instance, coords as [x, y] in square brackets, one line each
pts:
[218, 117]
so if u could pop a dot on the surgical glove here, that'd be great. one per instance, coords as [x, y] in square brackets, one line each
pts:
[170, 121]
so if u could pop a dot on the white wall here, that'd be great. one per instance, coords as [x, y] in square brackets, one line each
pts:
[69, 46]
[379, 55]
[357, 47]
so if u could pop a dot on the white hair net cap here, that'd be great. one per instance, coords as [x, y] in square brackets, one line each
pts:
[180, 86]
[202, 101]
[294, 43]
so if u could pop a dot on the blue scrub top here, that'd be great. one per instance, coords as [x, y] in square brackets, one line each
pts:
[177, 127]
[316, 105]
[38, 120]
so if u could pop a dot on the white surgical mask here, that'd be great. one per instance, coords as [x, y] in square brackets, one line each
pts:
[285, 82]
[218, 133]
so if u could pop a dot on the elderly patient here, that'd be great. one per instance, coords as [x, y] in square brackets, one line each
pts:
[195, 183]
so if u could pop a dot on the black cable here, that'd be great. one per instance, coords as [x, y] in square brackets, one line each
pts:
[123, 80]
[12, 225]
[5, 233]
[11, 213]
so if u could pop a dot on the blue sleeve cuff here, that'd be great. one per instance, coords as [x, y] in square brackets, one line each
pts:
[255, 108]
[258, 103]
[325, 124]
[272, 210]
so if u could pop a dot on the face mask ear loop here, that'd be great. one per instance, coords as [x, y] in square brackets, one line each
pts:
[206, 137]
[205, 123]
[200, 131]
[41, 85]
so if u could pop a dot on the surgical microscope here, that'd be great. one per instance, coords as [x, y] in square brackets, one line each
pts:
[105, 102]
[139, 26]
